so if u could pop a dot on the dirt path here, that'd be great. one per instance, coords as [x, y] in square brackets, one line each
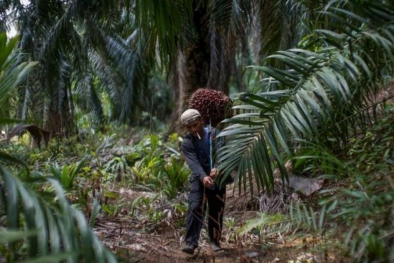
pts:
[133, 240]
[133, 245]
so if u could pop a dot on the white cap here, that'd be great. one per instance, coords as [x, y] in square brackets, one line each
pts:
[189, 116]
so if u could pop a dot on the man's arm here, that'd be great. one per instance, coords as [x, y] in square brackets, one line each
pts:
[190, 156]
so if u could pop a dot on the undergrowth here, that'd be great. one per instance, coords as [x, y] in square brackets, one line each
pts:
[352, 217]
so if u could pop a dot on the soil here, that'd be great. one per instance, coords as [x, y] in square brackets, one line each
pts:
[133, 240]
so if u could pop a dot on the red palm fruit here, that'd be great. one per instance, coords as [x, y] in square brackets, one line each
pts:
[213, 105]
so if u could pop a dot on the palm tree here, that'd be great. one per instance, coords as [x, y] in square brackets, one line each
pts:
[208, 43]
[196, 40]
[319, 97]
[80, 56]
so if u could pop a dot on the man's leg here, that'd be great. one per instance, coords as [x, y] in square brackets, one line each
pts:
[216, 201]
[195, 215]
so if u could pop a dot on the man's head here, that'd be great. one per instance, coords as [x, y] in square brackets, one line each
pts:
[193, 121]
[190, 116]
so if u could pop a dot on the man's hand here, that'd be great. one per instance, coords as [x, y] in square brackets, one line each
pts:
[207, 181]
[214, 172]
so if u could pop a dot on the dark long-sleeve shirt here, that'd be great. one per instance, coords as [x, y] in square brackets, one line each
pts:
[195, 157]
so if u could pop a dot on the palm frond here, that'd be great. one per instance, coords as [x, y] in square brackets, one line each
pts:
[324, 91]
[282, 24]
[12, 72]
[52, 229]
[165, 23]
[230, 15]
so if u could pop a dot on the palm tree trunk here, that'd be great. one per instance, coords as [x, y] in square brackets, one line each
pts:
[205, 64]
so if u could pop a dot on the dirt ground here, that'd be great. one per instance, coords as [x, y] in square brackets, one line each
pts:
[164, 245]
[135, 241]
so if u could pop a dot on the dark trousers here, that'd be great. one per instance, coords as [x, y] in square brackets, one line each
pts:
[198, 198]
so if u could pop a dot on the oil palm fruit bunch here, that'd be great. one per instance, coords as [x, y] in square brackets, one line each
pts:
[214, 106]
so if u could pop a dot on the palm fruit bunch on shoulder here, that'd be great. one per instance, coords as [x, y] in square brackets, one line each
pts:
[214, 106]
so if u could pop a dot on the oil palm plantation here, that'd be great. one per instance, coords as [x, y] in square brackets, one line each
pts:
[316, 93]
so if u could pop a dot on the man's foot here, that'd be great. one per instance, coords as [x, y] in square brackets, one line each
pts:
[189, 249]
[215, 246]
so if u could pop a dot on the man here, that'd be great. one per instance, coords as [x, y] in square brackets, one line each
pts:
[198, 147]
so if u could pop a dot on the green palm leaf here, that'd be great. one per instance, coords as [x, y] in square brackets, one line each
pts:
[12, 72]
[59, 231]
[325, 91]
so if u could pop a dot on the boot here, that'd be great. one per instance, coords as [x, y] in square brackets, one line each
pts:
[189, 249]
[215, 246]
